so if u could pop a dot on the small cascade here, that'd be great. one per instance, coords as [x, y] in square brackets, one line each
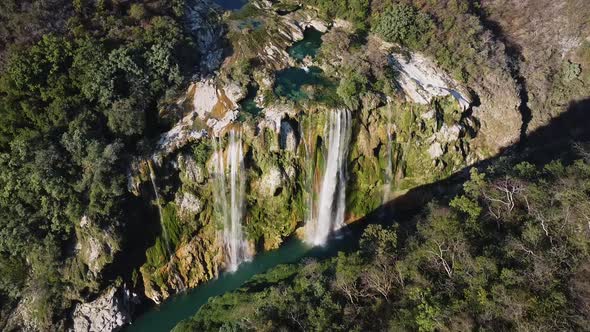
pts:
[230, 204]
[389, 170]
[307, 140]
[332, 196]
[159, 204]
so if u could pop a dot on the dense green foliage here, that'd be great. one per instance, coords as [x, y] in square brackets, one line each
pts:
[72, 106]
[510, 253]
[355, 11]
[404, 25]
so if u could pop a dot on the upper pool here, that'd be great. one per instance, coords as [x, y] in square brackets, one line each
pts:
[308, 46]
[302, 84]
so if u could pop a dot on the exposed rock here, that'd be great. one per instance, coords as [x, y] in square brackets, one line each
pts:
[234, 93]
[96, 246]
[448, 134]
[190, 204]
[109, 312]
[274, 115]
[194, 262]
[218, 125]
[499, 116]
[435, 150]
[270, 181]
[288, 139]
[205, 98]
[421, 80]
[203, 20]
[343, 24]
[428, 115]
[191, 171]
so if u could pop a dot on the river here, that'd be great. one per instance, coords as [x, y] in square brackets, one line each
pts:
[165, 316]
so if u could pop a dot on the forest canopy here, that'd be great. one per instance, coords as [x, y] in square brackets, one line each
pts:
[75, 101]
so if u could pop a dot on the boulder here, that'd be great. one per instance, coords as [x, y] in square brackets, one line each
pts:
[189, 204]
[435, 150]
[109, 312]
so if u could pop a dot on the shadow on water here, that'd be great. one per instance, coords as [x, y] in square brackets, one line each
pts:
[555, 140]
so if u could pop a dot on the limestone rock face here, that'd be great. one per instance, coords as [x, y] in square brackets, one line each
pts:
[191, 171]
[435, 150]
[288, 139]
[194, 262]
[109, 312]
[498, 114]
[205, 98]
[271, 181]
[273, 117]
[190, 203]
[202, 16]
[421, 80]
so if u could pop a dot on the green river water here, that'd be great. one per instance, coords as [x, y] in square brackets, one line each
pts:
[165, 316]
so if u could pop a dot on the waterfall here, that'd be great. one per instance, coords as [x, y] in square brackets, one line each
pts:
[332, 195]
[230, 209]
[159, 204]
[389, 170]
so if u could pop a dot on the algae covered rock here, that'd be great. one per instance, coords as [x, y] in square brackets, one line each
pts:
[96, 245]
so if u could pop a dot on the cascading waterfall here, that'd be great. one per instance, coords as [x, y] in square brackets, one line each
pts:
[159, 204]
[389, 170]
[231, 210]
[332, 196]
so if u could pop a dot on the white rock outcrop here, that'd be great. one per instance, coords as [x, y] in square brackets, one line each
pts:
[274, 115]
[421, 80]
[287, 138]
[190, 203]
[108, 313]
[270, 181]
[201, 18]
[435, 150]
[205, 98]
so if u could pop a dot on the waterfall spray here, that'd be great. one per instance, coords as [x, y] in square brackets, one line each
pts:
[231, 210]
[332, 196]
